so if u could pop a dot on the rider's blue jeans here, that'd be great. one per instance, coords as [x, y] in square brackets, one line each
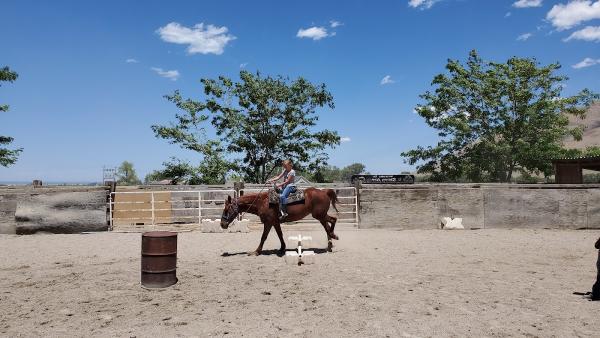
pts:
[285, 193]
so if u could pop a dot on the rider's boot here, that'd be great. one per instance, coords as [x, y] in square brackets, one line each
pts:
[284, 213]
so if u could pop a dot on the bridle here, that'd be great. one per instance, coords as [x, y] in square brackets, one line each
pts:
[235, 204]
[232, 212]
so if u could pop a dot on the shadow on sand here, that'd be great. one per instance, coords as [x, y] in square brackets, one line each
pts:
[317, 251]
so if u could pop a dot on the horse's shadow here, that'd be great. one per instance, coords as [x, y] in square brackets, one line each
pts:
[317, 251]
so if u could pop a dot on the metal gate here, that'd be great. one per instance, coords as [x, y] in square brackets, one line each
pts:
[128, 208]
[131, 208]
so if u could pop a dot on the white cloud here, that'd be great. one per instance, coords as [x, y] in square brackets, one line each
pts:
[345, 139]
[524, 37]
[243, 65]
[573, 13]
[589, 33]
[315, 33]
[527, 3]
[334, 23]
[422, 4]
[200, 39]
[387, 80]
[587, 62]
[507, 14]
[131, 61]
[173, 75]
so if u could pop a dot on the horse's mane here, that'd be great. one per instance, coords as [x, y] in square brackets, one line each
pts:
[249, 198]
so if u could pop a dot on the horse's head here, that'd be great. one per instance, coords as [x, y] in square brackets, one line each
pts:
[230, 212]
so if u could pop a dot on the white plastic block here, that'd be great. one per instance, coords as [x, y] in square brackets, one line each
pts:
[209, 225]
[239, 226]
[452, 223]
[308, 257]
[292, 242]
[291, 258]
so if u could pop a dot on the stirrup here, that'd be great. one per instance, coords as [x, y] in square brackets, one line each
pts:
[283, 216]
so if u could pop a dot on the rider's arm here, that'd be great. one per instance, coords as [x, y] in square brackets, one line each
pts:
[284, 183]
[288, 181]
[275, 178]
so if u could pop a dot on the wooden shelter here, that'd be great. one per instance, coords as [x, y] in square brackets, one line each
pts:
[570, 170]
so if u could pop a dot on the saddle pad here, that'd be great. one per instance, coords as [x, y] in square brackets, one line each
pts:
[292, 198]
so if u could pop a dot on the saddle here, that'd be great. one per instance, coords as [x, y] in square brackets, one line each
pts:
[295, 197]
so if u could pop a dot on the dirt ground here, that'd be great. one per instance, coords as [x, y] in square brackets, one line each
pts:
[380, 283]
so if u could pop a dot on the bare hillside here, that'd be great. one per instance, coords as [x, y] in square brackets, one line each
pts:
[591, 135]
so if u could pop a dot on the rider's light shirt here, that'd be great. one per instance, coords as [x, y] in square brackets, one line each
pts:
[287, 174]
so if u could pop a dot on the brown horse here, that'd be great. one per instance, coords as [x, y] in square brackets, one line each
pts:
[316, 203]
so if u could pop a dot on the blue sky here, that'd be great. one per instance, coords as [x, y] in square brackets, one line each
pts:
[79, 105]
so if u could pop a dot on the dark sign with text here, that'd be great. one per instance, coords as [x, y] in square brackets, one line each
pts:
[384, 179]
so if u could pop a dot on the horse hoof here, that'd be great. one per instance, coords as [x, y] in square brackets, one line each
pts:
[330, 247]
[334, 236]
[253, 253]
[281, 253]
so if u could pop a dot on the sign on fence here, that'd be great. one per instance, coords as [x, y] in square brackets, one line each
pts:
[384, 179]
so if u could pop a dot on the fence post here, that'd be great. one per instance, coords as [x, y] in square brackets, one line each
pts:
[239, 191]
[110, 211]
[153, 222]
[199, 207]
[357, 186]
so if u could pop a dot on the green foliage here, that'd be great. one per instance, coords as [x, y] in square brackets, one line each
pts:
[214, 168]
[211, 170]
[352, 169]
[494, 119]
[261, 119]
[126, 174]
[329, 174]
[176, 171]
[7, 156]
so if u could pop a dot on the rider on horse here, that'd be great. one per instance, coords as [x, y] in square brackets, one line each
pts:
[288, 186]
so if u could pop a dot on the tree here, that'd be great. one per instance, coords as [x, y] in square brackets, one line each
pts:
[7, 156]
[261, 119]
[126, 174]
[329, 174]
[212, 170]
[176, 171]
[352, 169]
[494, 119]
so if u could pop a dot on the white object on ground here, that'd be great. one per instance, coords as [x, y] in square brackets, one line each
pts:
[299, 257]
[208, 225]
[239, 226]
[452, 223]
[293, 241]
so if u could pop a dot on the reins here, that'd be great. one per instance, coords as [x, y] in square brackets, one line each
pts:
[257, 195]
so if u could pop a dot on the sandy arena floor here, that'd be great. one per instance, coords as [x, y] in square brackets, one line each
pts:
[376, 283]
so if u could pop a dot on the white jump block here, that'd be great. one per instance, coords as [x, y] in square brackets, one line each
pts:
[208, 225]
[292, 242]
[212, 226]
[239, 226]
[299, 256]
[293, 258]
[452, 223]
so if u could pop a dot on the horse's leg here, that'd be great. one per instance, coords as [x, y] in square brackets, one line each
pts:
[266, 229]
[332, 220]
[328, 231]
[280, 235]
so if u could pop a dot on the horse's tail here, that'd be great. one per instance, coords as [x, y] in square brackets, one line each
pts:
[333, 197]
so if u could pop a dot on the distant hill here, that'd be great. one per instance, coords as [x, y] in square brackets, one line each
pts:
[591, 134]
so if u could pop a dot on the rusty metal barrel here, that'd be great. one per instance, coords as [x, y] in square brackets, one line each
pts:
[159, 259]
